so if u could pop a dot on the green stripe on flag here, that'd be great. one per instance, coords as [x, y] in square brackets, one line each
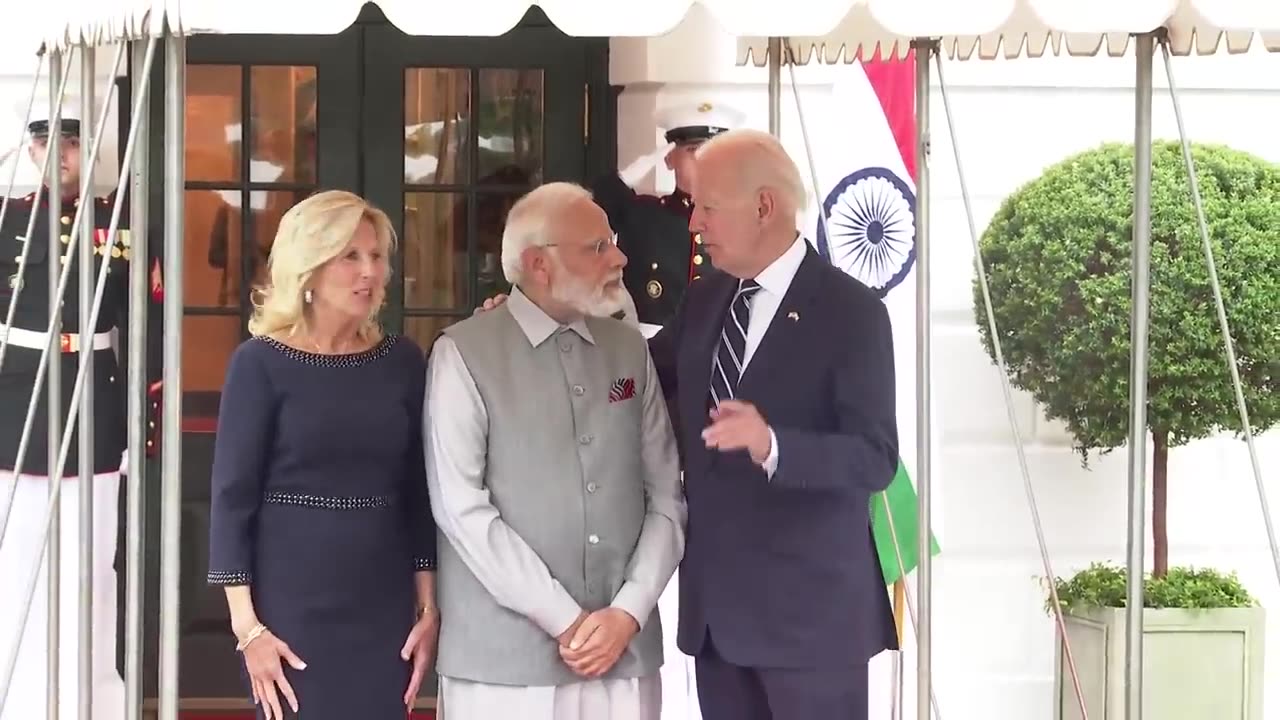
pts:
[902, 503]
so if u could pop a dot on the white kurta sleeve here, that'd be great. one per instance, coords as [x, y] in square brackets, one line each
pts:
[661, 543]
[455, 424]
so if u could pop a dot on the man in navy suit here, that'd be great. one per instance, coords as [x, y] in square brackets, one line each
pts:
[779, 372]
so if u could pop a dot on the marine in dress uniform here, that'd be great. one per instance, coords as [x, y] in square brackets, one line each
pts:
[26, 338]
[663, 256]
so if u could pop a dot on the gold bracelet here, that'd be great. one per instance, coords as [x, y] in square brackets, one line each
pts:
[250, 637]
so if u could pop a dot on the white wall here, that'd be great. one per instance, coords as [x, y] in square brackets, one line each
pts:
[993, 657]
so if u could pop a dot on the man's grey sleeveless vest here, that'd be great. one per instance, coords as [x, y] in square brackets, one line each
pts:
[565, 472]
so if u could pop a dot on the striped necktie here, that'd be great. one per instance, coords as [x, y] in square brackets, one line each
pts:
[727, 368]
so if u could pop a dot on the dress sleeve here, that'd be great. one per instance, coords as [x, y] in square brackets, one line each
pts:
[241, 451]
[422, 527]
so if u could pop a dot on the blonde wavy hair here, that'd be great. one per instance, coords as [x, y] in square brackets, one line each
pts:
[310, 234]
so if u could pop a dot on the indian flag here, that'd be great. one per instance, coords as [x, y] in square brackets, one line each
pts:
[865, 171]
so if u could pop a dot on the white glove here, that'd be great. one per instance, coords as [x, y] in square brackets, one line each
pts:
[636, 171]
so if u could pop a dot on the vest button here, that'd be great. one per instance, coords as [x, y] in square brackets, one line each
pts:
[591, 487]
[593, 539]
[578, 390]
[585, 439]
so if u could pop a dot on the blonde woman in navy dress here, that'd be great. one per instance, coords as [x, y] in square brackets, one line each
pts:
[321, 531]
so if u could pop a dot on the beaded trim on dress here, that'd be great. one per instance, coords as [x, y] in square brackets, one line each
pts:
[346, 360]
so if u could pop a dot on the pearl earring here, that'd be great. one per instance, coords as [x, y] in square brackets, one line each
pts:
[306, 297]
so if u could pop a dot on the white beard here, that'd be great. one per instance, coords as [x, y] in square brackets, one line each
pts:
[596, 302]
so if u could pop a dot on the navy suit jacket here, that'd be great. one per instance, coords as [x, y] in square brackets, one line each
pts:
[783, 571]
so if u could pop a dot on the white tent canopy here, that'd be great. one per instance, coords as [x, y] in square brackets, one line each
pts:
[832, 30]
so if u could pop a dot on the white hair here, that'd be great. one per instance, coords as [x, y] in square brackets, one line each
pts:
[530, 223]
[762, 162]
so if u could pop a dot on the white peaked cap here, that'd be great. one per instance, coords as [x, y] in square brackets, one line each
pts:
[698, 120]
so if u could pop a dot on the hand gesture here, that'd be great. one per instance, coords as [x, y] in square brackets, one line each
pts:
[262, 657]
[737, 425]
[419, 648]
[599, 641]
[643, 165]
[490, 304]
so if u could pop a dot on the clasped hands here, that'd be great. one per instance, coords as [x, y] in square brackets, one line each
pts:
[595, 641]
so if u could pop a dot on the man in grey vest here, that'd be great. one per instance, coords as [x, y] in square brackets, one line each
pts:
[555, 484]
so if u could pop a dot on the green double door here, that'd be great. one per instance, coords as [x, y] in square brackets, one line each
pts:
[444, 134]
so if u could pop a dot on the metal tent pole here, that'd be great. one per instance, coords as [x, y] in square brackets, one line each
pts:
[61, 444]
[899, 685]
[1138, 333]
[924, 48]
[775, 87]
[54, 387]
[84, 428]
[139, 267]
[175, 63]
[13, 176]
[49, 173]
[18, 281]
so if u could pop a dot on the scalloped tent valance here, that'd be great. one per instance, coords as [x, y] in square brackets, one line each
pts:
[988, 29]
[830, 30]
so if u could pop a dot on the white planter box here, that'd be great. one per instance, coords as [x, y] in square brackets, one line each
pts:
[1198, 664]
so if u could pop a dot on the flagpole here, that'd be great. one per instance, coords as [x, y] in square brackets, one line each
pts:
[924, 49]
[904, 598]
[775, 85]
[899, 661]
[899, 589]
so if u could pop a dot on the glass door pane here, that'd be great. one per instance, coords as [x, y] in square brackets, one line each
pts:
[234, 201]
[484, 121]
[268, 121]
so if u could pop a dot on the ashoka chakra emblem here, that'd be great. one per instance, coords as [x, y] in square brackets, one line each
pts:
[872, 217]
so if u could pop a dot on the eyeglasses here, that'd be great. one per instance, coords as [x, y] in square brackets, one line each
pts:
[599, 247]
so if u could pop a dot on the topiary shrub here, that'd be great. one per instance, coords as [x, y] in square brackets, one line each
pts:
[1057, 255]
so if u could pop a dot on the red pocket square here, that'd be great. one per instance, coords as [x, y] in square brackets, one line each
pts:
[623, 389]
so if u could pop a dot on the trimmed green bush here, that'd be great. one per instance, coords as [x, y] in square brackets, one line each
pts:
[1057, 255]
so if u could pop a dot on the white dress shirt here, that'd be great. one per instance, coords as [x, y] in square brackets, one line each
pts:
[775, 281]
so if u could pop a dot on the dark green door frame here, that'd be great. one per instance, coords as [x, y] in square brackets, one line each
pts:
[360, 113]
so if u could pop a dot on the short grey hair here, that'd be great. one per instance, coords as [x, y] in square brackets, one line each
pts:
[529, 222]
[763, 162]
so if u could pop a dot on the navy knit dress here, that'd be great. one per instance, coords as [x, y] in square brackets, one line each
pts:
[319, 504]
